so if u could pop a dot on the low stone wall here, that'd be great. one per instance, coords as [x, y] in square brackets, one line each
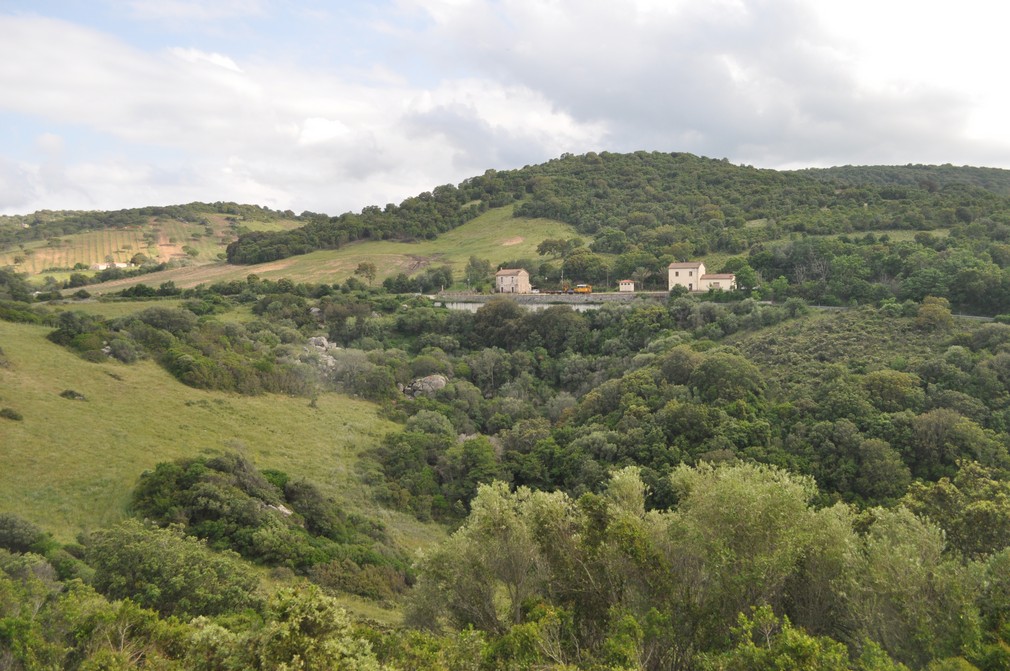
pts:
[541, 299]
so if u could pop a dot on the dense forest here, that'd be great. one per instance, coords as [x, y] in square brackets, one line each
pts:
[716, 481]
[658, 201]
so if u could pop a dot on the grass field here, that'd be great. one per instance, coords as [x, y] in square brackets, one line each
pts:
[70, 465]
[495, 235]
[114, 308]
[87, 248]
[161, 239]
[108, 309]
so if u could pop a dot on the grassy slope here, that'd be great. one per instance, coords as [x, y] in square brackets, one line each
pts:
[70, 465]
[111, 308]
[495, 235]
[121, 244]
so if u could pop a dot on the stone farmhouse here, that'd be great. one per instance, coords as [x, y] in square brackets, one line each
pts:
[512, 281]
[692, 276]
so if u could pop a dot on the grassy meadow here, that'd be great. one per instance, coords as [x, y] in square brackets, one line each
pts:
[495, 235]
[110, 309]
[69, 465]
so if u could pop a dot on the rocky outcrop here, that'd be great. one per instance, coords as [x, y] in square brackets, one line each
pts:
[322, 351]
[425, 386]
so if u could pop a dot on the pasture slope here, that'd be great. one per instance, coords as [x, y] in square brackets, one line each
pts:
[70, 465]
[161, 239]
[495, 235]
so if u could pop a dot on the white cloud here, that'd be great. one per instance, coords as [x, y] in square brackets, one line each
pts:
[424, 92]
[194, 10]
[50, 143]
[258, 130]
[16, 189]
[316, 130]
[196, 56]
[762, 81]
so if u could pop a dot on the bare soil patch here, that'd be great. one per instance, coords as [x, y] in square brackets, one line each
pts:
[168, 250]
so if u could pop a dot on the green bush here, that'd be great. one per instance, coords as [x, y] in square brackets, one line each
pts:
[170, 572]
[11, 413]
[19, 535]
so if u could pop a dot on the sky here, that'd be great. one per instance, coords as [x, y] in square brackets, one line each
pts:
[333, 106]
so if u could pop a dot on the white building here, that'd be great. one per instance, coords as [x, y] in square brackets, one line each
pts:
[692, 276]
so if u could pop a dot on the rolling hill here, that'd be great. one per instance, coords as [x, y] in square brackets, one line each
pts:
[47, 243]
[70, 463]
[618, 482]
[495, 235]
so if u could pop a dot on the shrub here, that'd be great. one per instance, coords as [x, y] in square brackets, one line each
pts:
[381, 583]
[11, 413]
[172, 573]
[124, 350]
[18, 534]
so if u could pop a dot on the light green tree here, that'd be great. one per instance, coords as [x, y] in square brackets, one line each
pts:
[478, 273]
[307, 630]
[905, 594]
[367, 270]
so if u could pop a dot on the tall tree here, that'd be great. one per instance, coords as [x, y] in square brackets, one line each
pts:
[367, 270]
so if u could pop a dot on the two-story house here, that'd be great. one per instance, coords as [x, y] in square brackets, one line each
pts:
[692, 276]
[512, 281]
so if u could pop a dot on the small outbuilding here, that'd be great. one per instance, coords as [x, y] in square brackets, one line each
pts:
[626, 285]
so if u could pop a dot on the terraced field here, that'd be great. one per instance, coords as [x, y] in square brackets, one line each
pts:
[162, 240]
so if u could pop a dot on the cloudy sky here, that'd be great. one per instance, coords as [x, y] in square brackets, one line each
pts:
[332, 106]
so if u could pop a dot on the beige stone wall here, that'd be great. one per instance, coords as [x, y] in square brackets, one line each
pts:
[518, 283]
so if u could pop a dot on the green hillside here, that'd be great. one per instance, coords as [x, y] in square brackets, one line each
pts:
[929, 177]
[70, 465]
[738, 479]
[57, 243]
[495, 235]
[635, 213]
[671, 203]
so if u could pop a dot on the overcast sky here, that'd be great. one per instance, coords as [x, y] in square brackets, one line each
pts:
[332, 106]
